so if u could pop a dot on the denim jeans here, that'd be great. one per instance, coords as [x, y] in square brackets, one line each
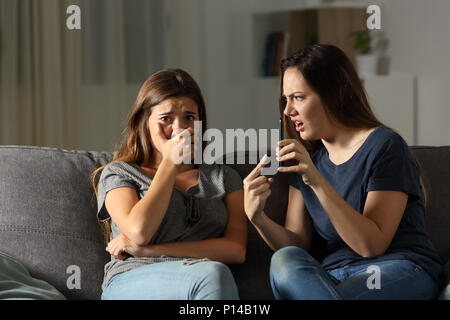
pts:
[296, 275]
[173, 280]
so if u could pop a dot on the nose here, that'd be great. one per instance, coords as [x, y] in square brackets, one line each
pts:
[178, 125]
[289, 109]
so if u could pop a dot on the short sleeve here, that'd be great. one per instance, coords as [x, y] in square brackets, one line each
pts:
[395, 169]
[110, 178]
[232, 180]
[293, 180]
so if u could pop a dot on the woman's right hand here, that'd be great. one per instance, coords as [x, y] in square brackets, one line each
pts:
[256, 190]
[174, 149]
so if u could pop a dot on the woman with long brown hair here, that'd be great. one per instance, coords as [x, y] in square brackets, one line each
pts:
[353, 183]
[172, 226]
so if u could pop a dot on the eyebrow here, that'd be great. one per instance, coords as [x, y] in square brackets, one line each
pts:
[293, 93]
[171, 112]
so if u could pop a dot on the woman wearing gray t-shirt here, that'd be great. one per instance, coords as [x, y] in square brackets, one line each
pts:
[172, 226]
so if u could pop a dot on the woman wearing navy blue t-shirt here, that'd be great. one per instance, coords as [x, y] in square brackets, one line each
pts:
[353, 183]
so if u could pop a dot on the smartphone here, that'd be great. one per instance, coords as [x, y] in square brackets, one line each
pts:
[280, 164]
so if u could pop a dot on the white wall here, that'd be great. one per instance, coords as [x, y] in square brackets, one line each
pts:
[418, 32]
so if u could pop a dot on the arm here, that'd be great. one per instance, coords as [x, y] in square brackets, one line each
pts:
[231, 248]
[368, 234]
[371, 233]
[297, 230]
[139, 219]
[298, 227]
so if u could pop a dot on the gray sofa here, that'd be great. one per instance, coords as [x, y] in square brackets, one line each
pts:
[47, 217]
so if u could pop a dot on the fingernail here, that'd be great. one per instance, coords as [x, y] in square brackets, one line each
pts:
[264, 159]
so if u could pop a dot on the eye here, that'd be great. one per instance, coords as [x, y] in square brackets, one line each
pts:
[190, 118]
[298, 98]
[165, 118]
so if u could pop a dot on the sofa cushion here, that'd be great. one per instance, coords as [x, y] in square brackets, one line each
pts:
[47, 216]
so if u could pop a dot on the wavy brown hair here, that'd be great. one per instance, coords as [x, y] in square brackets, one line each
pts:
[136, 146]
[330, 73]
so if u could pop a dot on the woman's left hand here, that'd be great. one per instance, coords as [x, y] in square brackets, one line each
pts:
[292, 149]
[121, 247]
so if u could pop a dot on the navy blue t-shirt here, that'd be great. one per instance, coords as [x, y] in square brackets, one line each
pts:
[383, 162]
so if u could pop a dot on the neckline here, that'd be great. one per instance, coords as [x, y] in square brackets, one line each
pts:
[354, 155]
[185, 193]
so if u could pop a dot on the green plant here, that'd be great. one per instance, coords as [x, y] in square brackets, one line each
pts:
[362, 41]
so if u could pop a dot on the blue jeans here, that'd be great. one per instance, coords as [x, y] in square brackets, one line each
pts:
[296, 275]
[173, 280]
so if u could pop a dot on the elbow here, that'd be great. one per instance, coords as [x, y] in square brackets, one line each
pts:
[235, 253]
[140, 241]
[139, 237]
[240, 255]
[369, 252]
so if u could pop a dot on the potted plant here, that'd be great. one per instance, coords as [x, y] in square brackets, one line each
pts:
[366, 59]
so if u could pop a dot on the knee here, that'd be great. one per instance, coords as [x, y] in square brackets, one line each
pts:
[220, 281]
[285, 256]
[216, 271]
[284, 259]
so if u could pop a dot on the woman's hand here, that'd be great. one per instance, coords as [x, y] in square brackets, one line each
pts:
[291, 149]
[121, 247]
[256, 191]
[179, 148]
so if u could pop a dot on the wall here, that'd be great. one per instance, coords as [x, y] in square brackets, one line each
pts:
[419, 43]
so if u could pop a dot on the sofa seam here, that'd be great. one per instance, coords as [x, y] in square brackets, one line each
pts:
[75, 151]
[28, 229]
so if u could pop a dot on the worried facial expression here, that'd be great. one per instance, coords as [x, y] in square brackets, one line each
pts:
[303, 106]
[172, 116]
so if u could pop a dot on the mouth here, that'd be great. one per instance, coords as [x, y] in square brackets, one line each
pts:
[299, 126]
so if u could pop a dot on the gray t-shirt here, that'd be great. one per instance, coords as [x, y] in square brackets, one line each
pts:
[197, 214]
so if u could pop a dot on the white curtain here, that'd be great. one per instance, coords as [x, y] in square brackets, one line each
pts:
[73, 89]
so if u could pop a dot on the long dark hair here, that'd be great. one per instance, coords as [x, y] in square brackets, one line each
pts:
[136, 145]
[330, 73]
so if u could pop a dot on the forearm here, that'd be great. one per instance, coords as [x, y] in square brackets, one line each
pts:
[277, 236]
[147, 215]
[357, 231]
[217, 249]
